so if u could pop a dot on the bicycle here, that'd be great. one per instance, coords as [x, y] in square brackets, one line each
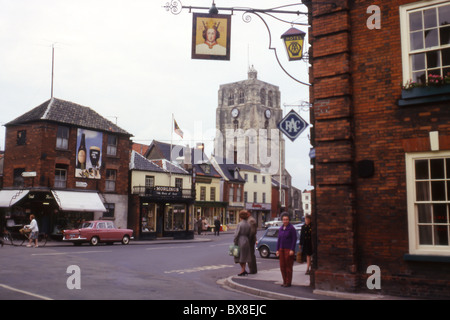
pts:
[10, 238]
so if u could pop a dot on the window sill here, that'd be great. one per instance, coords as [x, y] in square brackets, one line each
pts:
[426, 258]
[423, 95]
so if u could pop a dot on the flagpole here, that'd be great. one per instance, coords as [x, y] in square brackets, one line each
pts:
[171, 142]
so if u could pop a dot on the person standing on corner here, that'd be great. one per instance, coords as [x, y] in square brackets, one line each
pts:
[254, 229]
[287, 240]
[216, 226]
[241, 239]
[306, 242]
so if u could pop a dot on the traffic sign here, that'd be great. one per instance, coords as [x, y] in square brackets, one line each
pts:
[292, 125]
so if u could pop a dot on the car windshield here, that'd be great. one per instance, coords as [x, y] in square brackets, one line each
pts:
[87, 225]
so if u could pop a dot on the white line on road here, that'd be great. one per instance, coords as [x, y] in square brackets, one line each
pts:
[162, 248]
[198, 269]
[66, 253]
[25, 292]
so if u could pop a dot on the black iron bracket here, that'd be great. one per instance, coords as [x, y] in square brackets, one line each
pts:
[175, 7]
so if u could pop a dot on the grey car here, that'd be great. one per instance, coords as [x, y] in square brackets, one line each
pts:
[267, 244]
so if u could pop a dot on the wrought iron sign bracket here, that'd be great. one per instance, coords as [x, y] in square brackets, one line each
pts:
[175, 7]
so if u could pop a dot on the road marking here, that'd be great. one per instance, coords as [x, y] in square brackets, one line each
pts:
[198, 269]
[162, 248]
[66, 253]
[25, 292]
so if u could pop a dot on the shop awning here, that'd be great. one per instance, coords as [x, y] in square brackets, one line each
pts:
[9, 197]
[79, 201]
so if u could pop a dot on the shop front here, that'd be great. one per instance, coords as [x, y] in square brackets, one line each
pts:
[259, 211]
[165, 212]
[54, 210]
[210, 210]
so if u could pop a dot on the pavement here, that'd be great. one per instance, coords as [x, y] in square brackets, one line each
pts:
[265, 283]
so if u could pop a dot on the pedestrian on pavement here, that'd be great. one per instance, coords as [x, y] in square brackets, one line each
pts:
[287, 240]
[241, 239]
[205, 225]
[199, 225]
[306, 242]
[254, 229]
[216, 226]
[33, 226]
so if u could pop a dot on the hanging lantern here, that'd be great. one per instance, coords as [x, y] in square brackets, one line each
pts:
[293, 40]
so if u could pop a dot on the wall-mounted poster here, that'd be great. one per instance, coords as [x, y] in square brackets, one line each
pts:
[211, 36]
[89, 154]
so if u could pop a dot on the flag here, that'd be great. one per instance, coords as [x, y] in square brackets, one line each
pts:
[177, 129]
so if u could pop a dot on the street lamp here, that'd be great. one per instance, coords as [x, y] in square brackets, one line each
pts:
[293, 40]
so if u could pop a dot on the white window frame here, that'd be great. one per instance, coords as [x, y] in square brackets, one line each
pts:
[413, 230]
[404, 29]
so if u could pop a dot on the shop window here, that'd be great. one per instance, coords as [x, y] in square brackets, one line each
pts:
[111, 149]
[148, 217]
[110, 183]
[428, 186]
[60, 178]
[62, 138]
[425, 40]
[110, 213]
[21, 137]
[175, 218]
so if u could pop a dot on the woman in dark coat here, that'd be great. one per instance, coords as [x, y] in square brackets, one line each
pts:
[242, 239]
[306, 242]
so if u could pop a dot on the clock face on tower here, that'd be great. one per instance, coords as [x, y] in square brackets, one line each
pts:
[268, 113]
[235, 113]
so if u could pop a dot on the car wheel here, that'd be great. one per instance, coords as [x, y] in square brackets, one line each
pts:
[125, 240]
[264, 252]
[94, 241]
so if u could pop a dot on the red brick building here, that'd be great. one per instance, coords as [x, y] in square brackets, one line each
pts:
[382, 165]
[63, 162]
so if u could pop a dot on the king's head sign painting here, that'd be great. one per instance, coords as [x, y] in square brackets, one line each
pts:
[211, 37]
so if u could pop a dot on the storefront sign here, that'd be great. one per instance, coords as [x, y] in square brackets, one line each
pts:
[211, 36]
[89, 154]
[166, 192]
[29, 174]
[258, 206]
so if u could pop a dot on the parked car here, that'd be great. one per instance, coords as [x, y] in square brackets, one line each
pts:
[94, 232]
[267, 244]
[275, 222]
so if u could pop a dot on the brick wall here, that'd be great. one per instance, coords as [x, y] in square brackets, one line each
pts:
[357, 76]
[40, 154]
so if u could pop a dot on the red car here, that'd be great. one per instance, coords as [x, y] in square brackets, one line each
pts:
[94, 232]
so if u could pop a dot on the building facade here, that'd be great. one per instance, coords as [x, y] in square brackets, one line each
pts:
[64, 163]
[161, 200]
[381, 133]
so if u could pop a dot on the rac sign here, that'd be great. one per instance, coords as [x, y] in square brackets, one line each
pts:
[292, 125]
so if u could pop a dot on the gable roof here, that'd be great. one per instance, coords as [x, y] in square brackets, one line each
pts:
[66, 112]
[139, 162]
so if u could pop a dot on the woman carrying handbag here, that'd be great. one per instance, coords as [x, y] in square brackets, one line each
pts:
[242, 240]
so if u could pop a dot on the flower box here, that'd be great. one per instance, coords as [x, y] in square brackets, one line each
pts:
[423, 95]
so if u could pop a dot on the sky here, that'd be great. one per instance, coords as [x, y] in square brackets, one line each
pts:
[130, 61]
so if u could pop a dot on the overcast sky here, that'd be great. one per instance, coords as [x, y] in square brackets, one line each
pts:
[131, 62]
